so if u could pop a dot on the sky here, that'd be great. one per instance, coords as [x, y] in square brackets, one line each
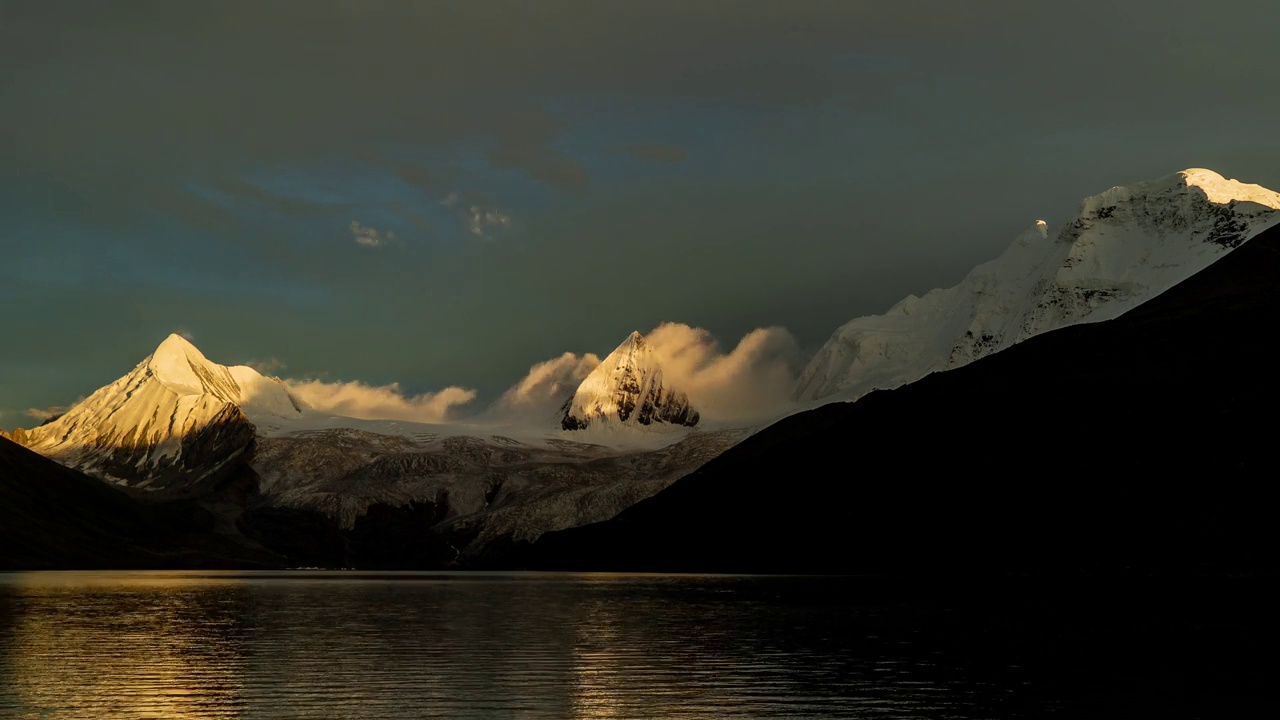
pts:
[446, 195]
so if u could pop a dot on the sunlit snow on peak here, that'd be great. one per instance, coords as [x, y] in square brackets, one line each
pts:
[1222, 191]
[1124, 246]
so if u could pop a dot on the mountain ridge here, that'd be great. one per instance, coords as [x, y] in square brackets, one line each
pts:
[171, 421]
[1054, 456]
[1125, 245]
[53, 517]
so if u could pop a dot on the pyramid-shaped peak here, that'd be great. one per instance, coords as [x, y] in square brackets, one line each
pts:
[183, 368]
[629, 351]
[175, 346]
[628, 388]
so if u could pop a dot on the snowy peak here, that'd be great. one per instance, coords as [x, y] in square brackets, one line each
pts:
[1220, 190]
[177, 416]
[1214, 209]
[1123, 247]
[627, 389]
[182, 368]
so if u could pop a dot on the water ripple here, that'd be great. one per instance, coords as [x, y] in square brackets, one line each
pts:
[315, 645]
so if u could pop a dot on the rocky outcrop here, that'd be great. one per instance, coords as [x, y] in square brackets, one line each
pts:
[628, 389]
[483, 497]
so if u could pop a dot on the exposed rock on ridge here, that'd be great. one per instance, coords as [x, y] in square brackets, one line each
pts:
[627, 389]
[1125, 246]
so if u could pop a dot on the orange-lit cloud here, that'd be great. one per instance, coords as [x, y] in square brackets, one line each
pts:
[540, 393]
[754, 381]
[751, 382]
[385, 402]
[43, 414]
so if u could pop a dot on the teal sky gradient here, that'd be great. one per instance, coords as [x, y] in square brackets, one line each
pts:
[546, 177]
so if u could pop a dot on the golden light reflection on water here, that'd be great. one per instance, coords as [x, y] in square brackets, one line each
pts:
[145, 646]
[314, 645]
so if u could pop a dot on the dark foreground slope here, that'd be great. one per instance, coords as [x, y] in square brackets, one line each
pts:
[1137, 446]
[52, 517]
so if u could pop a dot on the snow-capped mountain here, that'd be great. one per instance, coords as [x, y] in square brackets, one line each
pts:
[627, 390]
[179, 423]
[175, 418]
[1124, 246]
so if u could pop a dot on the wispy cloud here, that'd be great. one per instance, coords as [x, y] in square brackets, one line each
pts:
[43, 414]
[478, 214]
[480, 221]
[51, 412]
[372, 402]
[267, 366]
[370, 237]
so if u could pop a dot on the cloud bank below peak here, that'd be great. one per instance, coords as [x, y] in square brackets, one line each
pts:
[752, 382]
[379, 402]
[540, 393]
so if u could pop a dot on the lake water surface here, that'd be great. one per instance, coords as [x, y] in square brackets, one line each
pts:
[410, 645]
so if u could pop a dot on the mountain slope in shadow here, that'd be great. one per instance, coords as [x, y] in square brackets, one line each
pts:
[1139, 445]
[53, 517]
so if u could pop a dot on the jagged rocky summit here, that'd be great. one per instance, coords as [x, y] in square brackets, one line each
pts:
[627, 389]
[1123, 247]
[175, 418]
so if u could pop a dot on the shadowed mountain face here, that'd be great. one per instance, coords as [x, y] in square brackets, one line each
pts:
[52, 517]
[1137, 445]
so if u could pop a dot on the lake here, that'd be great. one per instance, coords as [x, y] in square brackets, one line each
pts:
[425, 645]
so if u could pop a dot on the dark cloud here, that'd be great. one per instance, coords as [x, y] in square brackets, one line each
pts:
[418, 176]
[826, 157]
[415, 219]
[528, 145]
[286, 205]
[658, 153]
